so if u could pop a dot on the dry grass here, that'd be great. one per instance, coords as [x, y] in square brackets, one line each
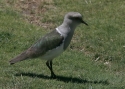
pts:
[32, 10]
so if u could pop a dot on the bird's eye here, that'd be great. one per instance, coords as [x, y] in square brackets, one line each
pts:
[75, 18]
[78, 18]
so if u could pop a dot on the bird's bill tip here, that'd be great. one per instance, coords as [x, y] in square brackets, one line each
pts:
[84, 22]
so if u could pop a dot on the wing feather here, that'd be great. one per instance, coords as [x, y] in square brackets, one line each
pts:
[46, 43]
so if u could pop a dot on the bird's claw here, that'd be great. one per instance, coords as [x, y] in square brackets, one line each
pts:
[53, 76]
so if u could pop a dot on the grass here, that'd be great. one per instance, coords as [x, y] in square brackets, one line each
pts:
[94, 59]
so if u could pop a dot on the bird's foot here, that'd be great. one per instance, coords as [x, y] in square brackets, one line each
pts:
[53, 76]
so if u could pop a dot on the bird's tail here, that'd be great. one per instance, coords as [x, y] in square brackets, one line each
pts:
[20, 57]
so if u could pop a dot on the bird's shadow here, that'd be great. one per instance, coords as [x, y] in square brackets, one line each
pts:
[64, 78]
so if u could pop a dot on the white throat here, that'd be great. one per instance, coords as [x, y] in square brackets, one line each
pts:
[63, 31]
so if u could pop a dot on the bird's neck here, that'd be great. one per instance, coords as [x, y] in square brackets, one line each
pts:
[66, 29]
[69, 27]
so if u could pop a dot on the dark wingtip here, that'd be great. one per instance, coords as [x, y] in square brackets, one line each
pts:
[11, 63]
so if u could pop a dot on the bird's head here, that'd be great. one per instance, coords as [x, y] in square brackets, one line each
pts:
[74, 18]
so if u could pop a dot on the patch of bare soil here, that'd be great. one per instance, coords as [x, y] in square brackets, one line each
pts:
[32, 9]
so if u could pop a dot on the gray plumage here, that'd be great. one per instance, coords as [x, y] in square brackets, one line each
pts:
[53, 43]
[48, 42]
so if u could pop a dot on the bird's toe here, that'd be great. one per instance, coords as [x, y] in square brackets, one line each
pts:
[53, 76]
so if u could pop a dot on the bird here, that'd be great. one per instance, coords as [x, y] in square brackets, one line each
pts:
[53, 43]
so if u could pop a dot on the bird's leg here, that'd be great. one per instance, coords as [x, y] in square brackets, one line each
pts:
[52, 73]
[49, 65]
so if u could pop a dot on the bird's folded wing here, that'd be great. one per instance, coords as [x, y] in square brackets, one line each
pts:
[46, 43]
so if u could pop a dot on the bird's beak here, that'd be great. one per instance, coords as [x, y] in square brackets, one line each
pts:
[84, 22]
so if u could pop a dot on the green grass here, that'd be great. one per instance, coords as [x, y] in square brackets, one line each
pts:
[94, 60]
